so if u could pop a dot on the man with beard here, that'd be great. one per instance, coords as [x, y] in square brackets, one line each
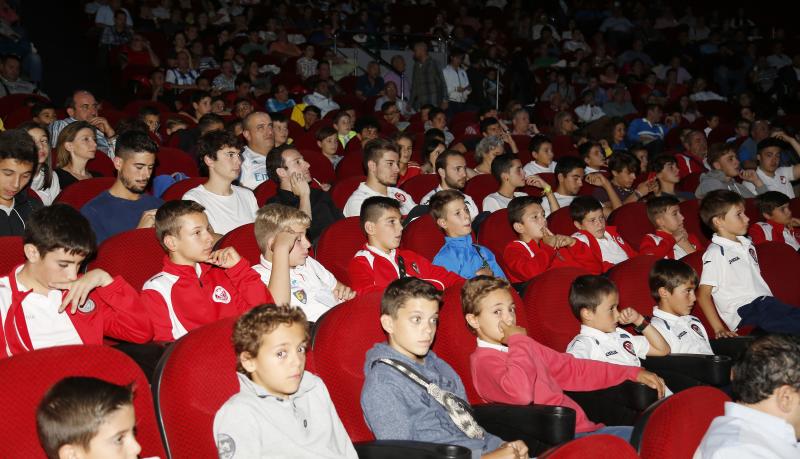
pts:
[452, 169]
[125, 205]
[381, 161]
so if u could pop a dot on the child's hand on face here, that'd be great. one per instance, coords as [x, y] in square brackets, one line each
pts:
[535, 180]
[80, 289]
[565, 241]
[680, 235]
[484, 272]
[343, 292]
[596, 179]
[549, 238]
[509, 330]
[751, 176]
[629, 316]
[284, 241]
[795, 223]
[647, 187]
[224, 258]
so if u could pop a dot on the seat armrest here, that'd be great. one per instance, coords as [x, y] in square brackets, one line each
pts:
[732, 347]
[402, 449]
[710, 369]
[539, 426]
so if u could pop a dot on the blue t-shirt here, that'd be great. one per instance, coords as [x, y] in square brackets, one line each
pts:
[110, 215]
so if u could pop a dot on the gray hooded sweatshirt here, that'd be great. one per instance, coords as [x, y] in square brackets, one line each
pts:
[397, 408]
[253, 424]
[717, 180]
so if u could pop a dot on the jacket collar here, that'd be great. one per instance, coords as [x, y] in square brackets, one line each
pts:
[185, 270]
[461, 241]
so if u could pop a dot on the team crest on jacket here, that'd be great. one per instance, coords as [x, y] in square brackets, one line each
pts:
[415, 267]
[628, 347]
[221, 295]
[753, 254]
[696, 329]
[301, 296]
[87, 307]
[400, 197]
[619, 240]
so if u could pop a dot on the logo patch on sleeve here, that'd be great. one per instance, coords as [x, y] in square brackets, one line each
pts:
[221, 295]
[628, 347]
[696, 329]
[226, 446]
[87, 307]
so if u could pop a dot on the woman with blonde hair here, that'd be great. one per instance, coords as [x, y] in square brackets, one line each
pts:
[75, 147]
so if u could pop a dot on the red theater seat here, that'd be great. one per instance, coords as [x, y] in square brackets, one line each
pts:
[79, 193]
[243, 239]
[547, 310]
[423, 236]
[338, 244]
[632, 222]
[594, 446]
[176, 191]
[136, 255]
[13, 256]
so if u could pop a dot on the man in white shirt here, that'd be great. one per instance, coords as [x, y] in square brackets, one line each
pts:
[321, 98]
[257, 132]
[381, 161]
[769, 158]
[764, 421]
[452, 169]
[227, 206]
[569, 173]
[457, 82]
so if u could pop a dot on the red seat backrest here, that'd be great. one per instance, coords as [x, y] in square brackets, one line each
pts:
[102, 165]
[351, 165]
[690, 182]
[420, 185]
[691, 214]
[342, 338]
[13, 256]
[79, 193]
[320, 166]
[176, 191]
[338, 244]
[25, 378]
[423, 236]
[774, 258]
[11, 102]
[495, 234]
[133, 107]
[595, 446]
[243, 239]
[265, 191]
[751, 210]
[196, 376]
[675, 426]
[547, 310]
[522, 142]
[631, 278]
[172, 160]
[563, 146]
[632, 222]
[794, 204]
[481, 186]
[135, 255]
[560, 222]
[343, 188]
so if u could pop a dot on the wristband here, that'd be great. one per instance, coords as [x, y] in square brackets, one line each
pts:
[637, 194]
[547, 190]
[641, 327]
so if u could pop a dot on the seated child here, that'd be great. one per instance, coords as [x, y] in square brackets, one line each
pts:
[779, 225]
[732, 277]
[623, 168]
[724, 170]
[45, 303]
[281, 410]
[599, 247]
[536, 248]
[382, 260]
[594, 301]
[507, 170]
[510, 367]
[87, 418]
[328, 143]
[569, 173]
[541, 148]
[281, 235]
[672, 284]
[196, 286]
[671, 240]
[592, 155]
[399, 408]
[460, 254]
[665, 168]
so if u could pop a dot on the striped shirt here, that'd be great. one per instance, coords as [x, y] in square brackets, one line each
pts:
[178, 77]
[103, 144]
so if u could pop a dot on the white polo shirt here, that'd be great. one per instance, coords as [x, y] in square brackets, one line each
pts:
[471, 206]
[732, 271]
[532, 168]
[496, 201]
[684, 334]
[226, 212]
[781, 181]
[562, 199]
[46, 326]
[353, 206]
[254, 169]
[746, 433]
[311, 286]
[619, 346]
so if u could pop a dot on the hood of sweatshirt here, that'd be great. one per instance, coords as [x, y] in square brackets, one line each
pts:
[717, 174]
[307, 384]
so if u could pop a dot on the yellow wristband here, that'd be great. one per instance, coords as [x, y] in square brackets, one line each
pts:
[547, 190]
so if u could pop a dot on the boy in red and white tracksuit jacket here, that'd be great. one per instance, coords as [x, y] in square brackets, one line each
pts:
[664, 245]
[197, 286]
[773, 231]
[671, 240]
[381, 260]
[779, 224]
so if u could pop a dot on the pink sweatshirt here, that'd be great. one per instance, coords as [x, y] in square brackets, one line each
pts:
[533, 373]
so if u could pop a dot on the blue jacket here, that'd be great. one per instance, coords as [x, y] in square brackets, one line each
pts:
[460, 255]
[397, 408]
[641, 126]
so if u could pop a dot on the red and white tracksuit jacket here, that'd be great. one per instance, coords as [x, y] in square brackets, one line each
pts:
[179, 300]
[688, 163]
[771, 231]
[662, 244]
[590, 256]
[370, 269]
[113, 311]
[524, 261]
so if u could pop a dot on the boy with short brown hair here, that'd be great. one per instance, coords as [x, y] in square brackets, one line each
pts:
[779, 224]
[671, 240]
